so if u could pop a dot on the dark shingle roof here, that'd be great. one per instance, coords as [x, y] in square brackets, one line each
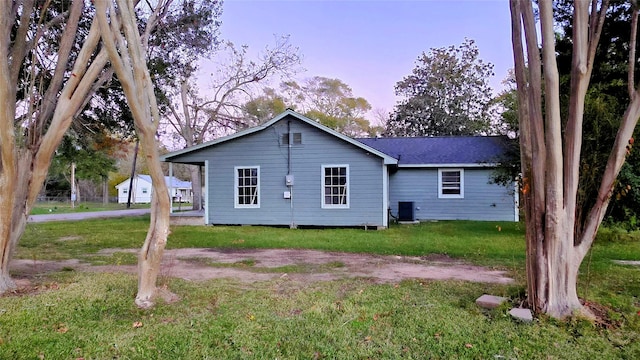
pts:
[441, 150]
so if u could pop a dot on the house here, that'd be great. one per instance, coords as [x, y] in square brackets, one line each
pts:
[142, 189]
[295, 171]
[447, 178]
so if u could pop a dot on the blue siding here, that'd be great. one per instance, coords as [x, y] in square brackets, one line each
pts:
[264, 149]
[482, 201]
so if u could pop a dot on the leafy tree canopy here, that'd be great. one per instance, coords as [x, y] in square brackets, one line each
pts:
[329, 101]
[447, 93]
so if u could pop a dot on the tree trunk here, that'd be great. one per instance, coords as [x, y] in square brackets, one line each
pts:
[557, 289]
[196, 186]
[105, 190]
[129, 63]
[15, 217]
[150, 257]
[557, 240]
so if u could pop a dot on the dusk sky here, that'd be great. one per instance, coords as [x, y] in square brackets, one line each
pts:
[371, 45]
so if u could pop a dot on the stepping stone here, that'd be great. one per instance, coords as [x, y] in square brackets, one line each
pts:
[521, 314]
[489, 301]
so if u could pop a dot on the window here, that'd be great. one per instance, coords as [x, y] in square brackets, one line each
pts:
[297, 138]
[247, 189]
[335, 189]
[124, 191]
[451, 183]
[145, 190]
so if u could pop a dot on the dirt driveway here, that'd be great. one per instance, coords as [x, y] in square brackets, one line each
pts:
[302, 265]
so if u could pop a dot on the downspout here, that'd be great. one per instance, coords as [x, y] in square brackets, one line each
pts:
[292, 224]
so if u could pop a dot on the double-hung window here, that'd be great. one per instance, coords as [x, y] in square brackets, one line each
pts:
[247, 187]
[335, 186]
[451, 183]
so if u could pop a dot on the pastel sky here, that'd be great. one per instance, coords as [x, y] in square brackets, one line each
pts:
[372, 44]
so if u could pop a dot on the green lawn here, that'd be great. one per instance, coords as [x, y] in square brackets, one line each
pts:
[91, 316]
[65, 207]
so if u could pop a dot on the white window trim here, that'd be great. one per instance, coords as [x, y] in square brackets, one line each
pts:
[334, 206]
[450, 196]
[235, 188]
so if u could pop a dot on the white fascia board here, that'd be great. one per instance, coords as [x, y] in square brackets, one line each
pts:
[474, 165]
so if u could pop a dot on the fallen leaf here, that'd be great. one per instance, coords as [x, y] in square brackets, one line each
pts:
[468, 346]
[62, 329]
[137, 324]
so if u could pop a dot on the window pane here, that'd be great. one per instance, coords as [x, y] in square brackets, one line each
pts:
[247, 186]
[335, 189]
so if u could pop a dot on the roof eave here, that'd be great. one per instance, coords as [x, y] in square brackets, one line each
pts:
[450, 165]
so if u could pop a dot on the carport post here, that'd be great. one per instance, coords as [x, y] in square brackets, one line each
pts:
[171, 187]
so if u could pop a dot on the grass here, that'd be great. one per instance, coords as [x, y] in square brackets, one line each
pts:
[65, 207]
[92, 316]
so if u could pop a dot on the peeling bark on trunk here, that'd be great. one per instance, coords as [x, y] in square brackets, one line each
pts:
[122, 40]
[25, 162]
[557, 241]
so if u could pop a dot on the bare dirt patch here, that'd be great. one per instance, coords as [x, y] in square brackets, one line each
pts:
[304, 265]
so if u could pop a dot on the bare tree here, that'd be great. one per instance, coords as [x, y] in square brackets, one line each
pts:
[196, 118]
[558, 240]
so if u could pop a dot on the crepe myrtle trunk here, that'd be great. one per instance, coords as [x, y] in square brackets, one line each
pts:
[557, 240]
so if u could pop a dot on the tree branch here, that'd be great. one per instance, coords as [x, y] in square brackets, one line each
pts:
[632, 53]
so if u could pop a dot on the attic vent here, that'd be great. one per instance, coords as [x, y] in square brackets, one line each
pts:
[297, 138]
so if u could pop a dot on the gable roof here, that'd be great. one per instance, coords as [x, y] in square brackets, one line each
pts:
[172, 182]
[439, 151]
[387, 159]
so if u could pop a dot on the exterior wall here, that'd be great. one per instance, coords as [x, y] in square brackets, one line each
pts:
[264, 149]
[482, 201]
[137, 197]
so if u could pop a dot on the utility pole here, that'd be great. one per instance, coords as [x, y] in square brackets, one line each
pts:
[133, 172]
[73, 185]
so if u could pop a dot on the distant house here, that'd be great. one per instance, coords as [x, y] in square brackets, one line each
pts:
[142, 190]
[295, 171]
